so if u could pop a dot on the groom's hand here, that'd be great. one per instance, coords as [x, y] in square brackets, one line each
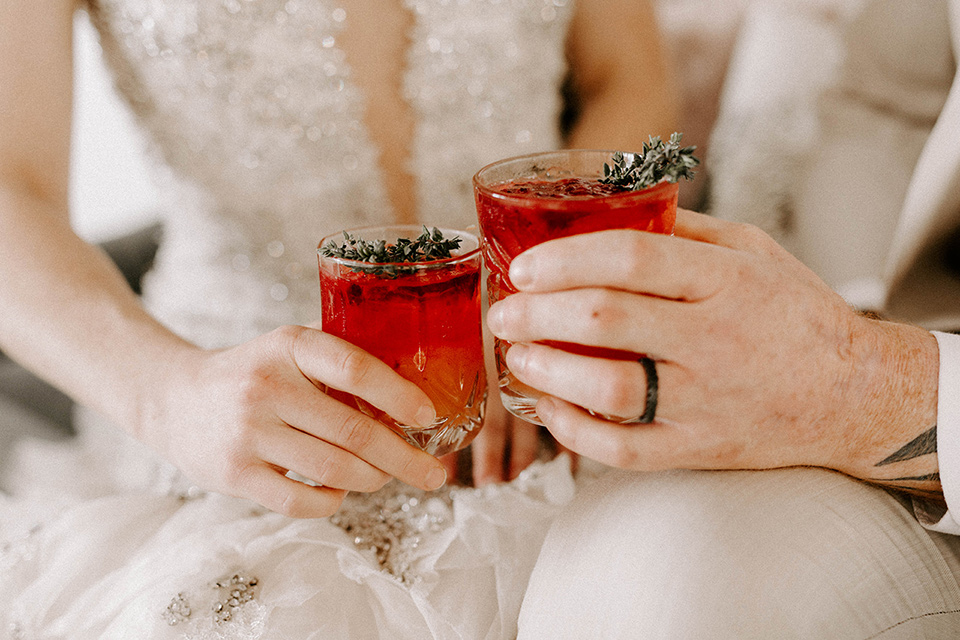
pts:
[759, 363]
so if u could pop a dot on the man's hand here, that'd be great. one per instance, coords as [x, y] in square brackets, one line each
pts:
[760, 364]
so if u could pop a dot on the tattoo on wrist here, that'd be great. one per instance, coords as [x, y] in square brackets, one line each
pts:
[922, 485]
[930, 477]
[923, 444]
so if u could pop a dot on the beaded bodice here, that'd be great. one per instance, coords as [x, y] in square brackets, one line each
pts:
[261, 143]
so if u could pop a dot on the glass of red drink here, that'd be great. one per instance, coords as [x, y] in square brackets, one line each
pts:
[423, 320]
[524, 201]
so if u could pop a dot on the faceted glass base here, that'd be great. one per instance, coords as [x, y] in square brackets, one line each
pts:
[447, 434]
[518, 398]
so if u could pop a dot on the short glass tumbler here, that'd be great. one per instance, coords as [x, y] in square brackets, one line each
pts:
[423, 320]
[524, 201]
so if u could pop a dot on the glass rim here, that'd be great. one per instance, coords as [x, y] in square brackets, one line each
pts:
[429, 264]
[492, 192]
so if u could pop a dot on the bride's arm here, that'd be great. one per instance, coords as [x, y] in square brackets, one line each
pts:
[57, 290]
[621, 76]
[234, 420]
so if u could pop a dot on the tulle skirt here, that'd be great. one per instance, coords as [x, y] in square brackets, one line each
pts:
[99, 540]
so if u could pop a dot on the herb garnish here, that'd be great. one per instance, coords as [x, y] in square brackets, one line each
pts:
[429, 246]
[657, 162]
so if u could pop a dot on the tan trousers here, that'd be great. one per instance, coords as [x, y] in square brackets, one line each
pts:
[794, 553]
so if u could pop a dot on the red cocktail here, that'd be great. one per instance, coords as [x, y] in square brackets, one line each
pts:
[423, 320]
[524, 201]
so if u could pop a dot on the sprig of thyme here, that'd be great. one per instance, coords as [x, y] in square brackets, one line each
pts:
[429, 246]
[657, 162]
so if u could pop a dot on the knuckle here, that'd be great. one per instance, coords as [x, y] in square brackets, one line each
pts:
[743, 270]
[294, 343]
[237, 470]
[637, 256]
[292, 505]
[287, 334]
[256, 380]
[370, 482]
[327, 470]
[284, 341]
[602, 312]
[330, 506]
[355, 432]
[375, 482]
[252, 388]
[307, 502]
[354, 367]
[410, 468]
[751, 237]
[516, 310]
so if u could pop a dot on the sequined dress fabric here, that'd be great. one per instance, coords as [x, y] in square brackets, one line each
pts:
[260, 150]
[250, 105]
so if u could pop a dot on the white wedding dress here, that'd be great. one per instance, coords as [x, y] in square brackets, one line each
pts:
[261, 150]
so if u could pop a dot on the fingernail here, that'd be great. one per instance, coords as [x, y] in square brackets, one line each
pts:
[521, 271]
[425, 416]
[436, 478]
[495, 318]
[546, 407]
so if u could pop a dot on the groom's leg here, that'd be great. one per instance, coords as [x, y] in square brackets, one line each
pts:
[794, 553]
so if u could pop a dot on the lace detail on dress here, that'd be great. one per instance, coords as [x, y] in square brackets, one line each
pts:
[483, 78]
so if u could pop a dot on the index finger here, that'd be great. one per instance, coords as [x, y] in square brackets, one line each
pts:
[332, 361]
[626, 259]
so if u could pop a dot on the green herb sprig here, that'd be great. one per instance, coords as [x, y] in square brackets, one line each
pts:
[657, 162]
[429, 246]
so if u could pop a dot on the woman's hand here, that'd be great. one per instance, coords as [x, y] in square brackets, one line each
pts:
[237, 420]
[759, 363]
[506, 446]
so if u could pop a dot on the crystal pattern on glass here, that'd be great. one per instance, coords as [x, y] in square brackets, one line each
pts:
[423, 320]
[527, 200]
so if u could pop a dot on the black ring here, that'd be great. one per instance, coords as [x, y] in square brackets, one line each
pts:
[650, 408]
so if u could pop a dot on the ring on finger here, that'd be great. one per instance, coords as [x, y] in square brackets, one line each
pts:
[653, 388]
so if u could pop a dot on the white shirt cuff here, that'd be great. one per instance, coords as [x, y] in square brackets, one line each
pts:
[948, 440]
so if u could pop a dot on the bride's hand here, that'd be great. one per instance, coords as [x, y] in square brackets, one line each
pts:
[236, 420]
[759, 363]
[504, 447]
